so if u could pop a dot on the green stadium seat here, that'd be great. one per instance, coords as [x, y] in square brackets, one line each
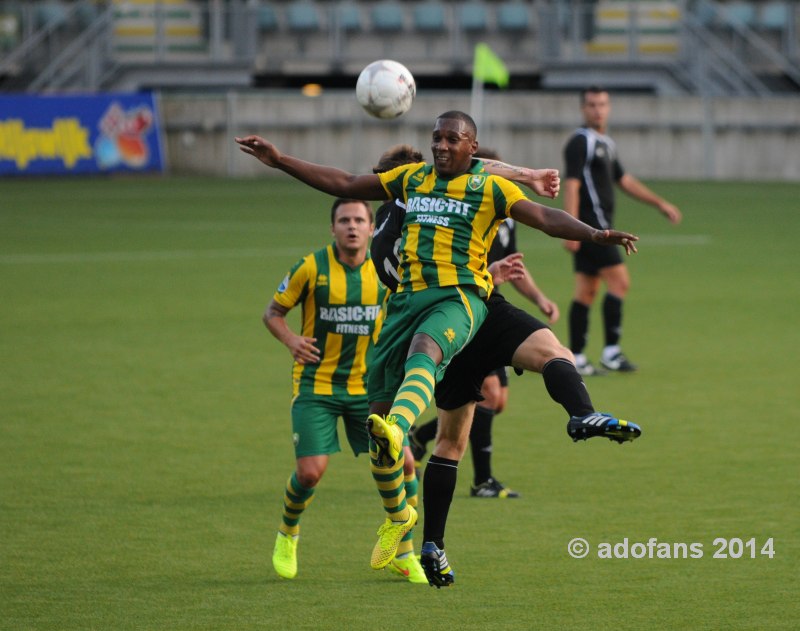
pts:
[387, 17]
[741, 13]
[429, 17]
[774, 16]
[302, 17]
[267, 19]
[348, 16]
[50, 14]
[473, 17]
[513, 17]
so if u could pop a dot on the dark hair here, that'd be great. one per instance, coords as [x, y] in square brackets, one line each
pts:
[486, 153]
[464, 118]
[592, 89]
[341, 200]
[397, 156]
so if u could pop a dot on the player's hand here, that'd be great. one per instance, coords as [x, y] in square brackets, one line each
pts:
[544, 182]
[549, 308]
[303, 349]
[572, 246]
[671, 212]
[615, 237]
[260, 148]
[509, 268]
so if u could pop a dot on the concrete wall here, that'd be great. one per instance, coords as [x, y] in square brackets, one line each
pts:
[658, 137]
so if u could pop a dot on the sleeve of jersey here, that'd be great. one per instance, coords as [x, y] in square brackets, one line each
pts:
[506, 194]
[295, 284]
[394, 181]
[575, 157]
[619, 171]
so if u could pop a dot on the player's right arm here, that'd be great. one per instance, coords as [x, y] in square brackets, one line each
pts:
[572, 196]
[301, 348]
[327, 179]
[574, 161]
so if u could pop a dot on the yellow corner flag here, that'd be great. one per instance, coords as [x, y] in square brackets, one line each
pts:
[488, 67]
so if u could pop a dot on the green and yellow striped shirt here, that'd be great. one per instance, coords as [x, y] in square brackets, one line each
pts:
[449, 224]
[342, 309]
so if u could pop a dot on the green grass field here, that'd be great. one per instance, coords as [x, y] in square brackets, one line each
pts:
[145, 440]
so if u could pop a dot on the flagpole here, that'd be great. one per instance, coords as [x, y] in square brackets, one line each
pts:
[476, 101]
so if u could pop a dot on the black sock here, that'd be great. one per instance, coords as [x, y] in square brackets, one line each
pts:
[612, 319]
[480, 442]
[438, 486]
[578, 326]
[566, 387]
[427, 432]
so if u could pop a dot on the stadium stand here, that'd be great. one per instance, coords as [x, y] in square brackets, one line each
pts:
[644, 44]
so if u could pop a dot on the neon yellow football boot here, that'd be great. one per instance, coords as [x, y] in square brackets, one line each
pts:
[284, 556]
[409, 568]
[389, 536]
[388, 436]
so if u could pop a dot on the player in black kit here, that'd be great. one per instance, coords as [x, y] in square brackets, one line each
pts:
[593, 169]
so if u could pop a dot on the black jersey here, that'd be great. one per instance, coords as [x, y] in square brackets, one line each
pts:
[385, 246]
[504, 243]
[591, 157]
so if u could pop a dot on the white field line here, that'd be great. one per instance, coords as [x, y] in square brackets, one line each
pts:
[147, 256]
[183, 255]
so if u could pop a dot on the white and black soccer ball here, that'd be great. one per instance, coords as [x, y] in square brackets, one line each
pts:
[386, 89]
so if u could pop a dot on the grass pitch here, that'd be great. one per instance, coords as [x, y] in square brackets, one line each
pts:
[145, 439]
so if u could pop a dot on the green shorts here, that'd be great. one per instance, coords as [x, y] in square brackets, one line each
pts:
[450, 315]
[314, 423]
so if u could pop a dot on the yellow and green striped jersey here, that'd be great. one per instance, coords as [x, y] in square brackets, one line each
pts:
[342, 309]
[449, 224]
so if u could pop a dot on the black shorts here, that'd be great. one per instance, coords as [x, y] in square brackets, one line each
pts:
[592, 257]
[493, 346]
[501, 374]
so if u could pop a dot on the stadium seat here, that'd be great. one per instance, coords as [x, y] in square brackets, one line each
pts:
[348, 16]
[302, 17]
[429, 17]
[473, 17]
[513, 17]
[741, 13]
[51, 14]
[267, 19]
[774, 16]
[387, 17]
[86, 14]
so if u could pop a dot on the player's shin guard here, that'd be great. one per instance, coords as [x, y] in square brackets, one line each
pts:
[566, 387]
[391, 485]
[438, 486]
[416, 391]
[480, 442]
[296, 499]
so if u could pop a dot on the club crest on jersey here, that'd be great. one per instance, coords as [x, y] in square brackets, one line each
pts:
[475, 182]
[417, 177]
[450, 334]
[322, 280]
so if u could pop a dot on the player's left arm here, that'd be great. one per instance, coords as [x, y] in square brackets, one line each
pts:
[557, 223]
[636, 189]
[544, 182]
[525, 285]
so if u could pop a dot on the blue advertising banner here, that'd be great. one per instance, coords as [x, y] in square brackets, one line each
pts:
[44, 135]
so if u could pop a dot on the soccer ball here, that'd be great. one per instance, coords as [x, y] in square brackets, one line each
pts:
[386, 89]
